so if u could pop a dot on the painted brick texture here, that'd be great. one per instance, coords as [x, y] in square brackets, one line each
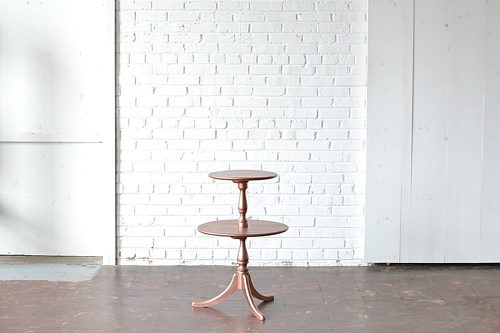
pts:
[212, 85]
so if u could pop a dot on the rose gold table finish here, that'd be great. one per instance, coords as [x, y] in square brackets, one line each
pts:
[230, 228]
[241, 229]
[242, 177]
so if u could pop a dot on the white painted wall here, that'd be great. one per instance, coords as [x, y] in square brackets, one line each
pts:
[214, 85]
[57, 130]
[433, 167]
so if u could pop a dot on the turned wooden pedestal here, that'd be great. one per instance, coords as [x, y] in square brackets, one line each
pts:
[240, 229]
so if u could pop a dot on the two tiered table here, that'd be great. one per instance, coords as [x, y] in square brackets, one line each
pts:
[241, 229]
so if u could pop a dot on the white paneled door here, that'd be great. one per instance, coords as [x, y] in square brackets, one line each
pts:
[433, 132]
[57, 180]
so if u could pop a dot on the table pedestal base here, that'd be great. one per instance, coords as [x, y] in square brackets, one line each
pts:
[241, 280]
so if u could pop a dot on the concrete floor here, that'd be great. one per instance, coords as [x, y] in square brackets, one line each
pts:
[358, 299]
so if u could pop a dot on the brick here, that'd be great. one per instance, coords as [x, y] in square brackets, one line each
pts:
[232, 5]
[200, 5]
[199, 90]
[168, 4]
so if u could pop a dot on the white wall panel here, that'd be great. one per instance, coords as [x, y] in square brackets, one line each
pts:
[454, 164]
[49, 204]
[57, 179]
[490, 209]
[389, 139]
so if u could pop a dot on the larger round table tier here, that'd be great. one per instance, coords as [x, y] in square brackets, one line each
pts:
[242, 175]
[230, 228]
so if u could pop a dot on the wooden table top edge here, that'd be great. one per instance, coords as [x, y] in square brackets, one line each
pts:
[229, 228]
[248, 175]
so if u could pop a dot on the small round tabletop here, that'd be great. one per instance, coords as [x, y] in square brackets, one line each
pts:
[230, 228]
[242, 175]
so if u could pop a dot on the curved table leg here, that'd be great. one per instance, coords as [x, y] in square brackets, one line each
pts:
[231, 288]
[256, 294]
[248, 296]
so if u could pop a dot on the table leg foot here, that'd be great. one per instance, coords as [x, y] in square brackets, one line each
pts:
[248, 296]
[231, 288]
[256, 294]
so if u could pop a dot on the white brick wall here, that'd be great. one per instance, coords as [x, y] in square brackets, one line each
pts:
[214, 85]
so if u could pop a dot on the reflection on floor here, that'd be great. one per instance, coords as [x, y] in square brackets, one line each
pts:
[48, 272]
[356, 299]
